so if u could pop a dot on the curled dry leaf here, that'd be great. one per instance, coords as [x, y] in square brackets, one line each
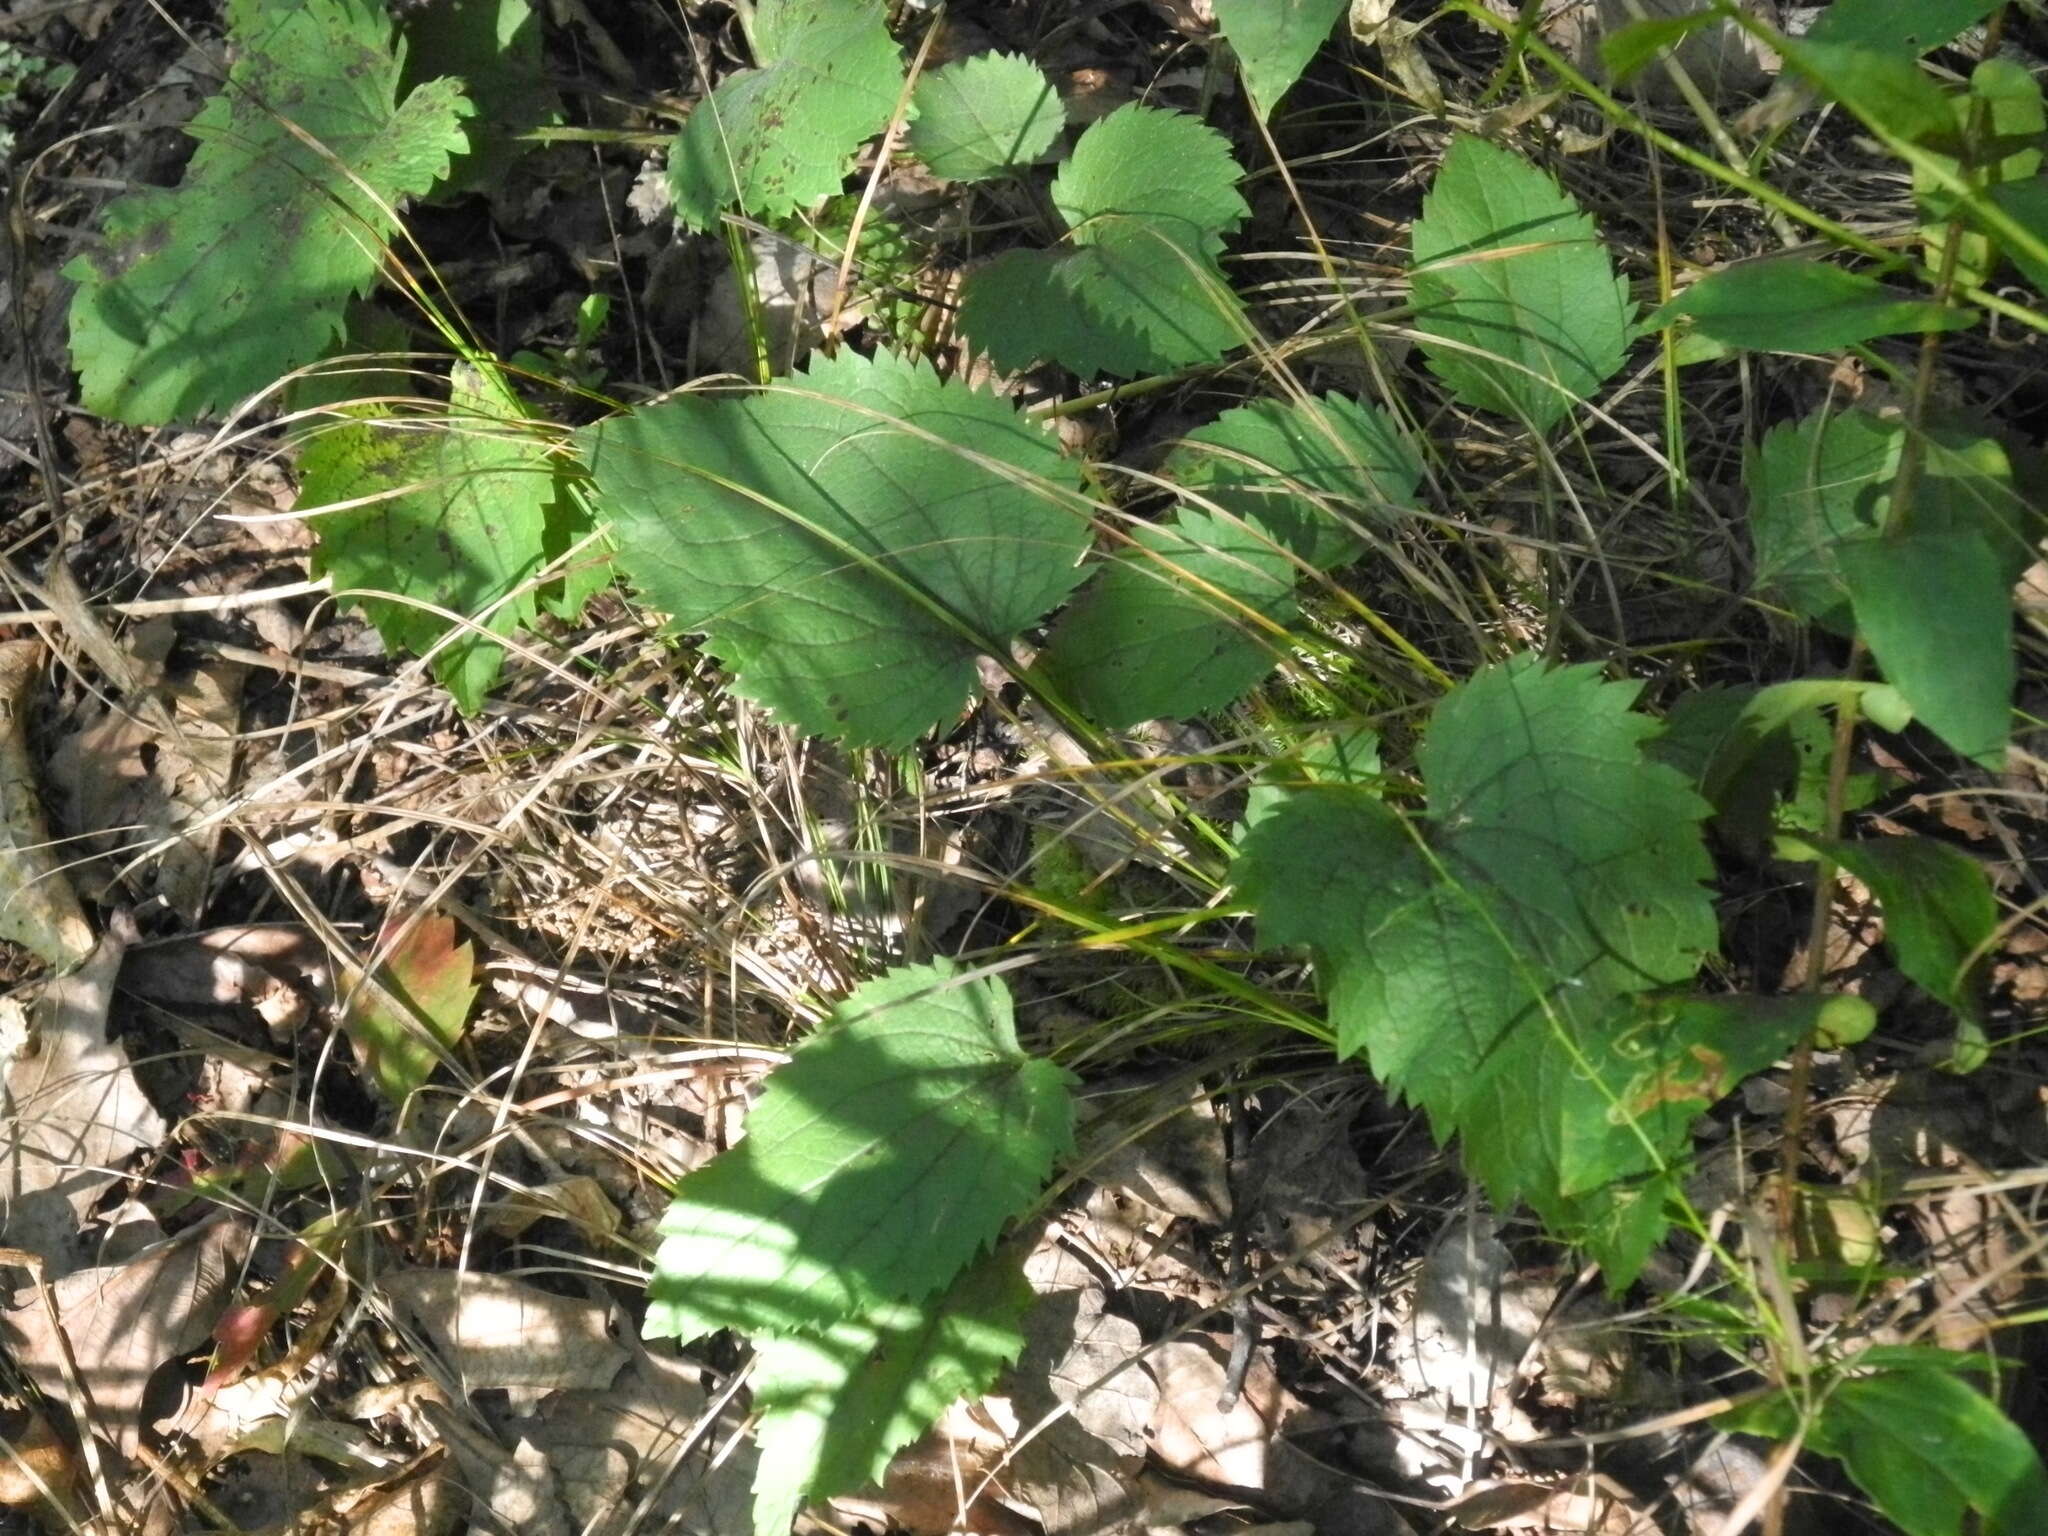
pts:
[38, 909]
[124, 1321]
[75, 1111]
[495, 1332]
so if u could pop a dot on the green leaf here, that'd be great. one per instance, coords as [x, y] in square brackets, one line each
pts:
[1274, 41]
[1166, 169]
[1132, 302]
[836, 1405]
[1512, 281]
[1889, 27]
[1936, 611]
[849, 540]
[886, 1154]
[2026, 203]
[494, 48]
[1479, 957]
[1628, 50]
[1795, 304]
[1302, 470]
[781, 26]
[1171, 628]
[2002, 121]
[1818, 486]
[1929, 1449]
[464, 508]
[1939, 911]
[1890, 93]
[985, 115]
[409, 1015]
[1148, 197]
[776, 139]
[214, 290]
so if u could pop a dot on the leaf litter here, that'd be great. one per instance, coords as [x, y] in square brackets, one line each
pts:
[581, 882]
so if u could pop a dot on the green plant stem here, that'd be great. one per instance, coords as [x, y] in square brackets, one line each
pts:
[1793, 1132]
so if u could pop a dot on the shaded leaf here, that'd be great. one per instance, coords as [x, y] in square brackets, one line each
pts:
[1300, 469]
[1939, 911]
[1936, 611]
[1893, 96]
[776, 139]
[1173, 627]
[849, 541]
[1929, 1449]
[461, 508]
[494, 48]
[1478, 957]
[1794, 304]
[984, 115]
[1886, 26]
[1512, 280]
[213, 290]
[1820, 485]
[1148, 197]
[886, 1154]
[1274, 41]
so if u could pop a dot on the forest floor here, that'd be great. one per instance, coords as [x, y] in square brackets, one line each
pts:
[291, 1308]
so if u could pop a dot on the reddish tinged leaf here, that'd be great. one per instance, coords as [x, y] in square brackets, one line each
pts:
[403, 1019]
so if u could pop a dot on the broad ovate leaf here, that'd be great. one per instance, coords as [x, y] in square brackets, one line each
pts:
[849, 540]
[1148, 197]
[214, 289]
[1931, 1450]
[1820, 485]
[2002, 121]
[1795, 304]
[1274, 41]
[1525, 313]
[458, 508]
[1483, 956]
[1179, 625]
[985, 115]
[776, 139]
[1887, 27]
[1307, 470]
[836, 1404]
[879, 1162]
[1936, 611]
[1166, 169]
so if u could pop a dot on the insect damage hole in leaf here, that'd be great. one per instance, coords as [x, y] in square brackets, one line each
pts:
[879, 1162]
[213, 290]
[848, 540]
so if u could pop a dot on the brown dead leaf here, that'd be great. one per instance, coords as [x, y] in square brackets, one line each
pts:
[1192, 1436]
[133, 787]
[496, 1332]
[124, 1321]
[1587, 1506]
[75, 1111]
[628, 1458]
[1081, 1470]
[38, 909]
